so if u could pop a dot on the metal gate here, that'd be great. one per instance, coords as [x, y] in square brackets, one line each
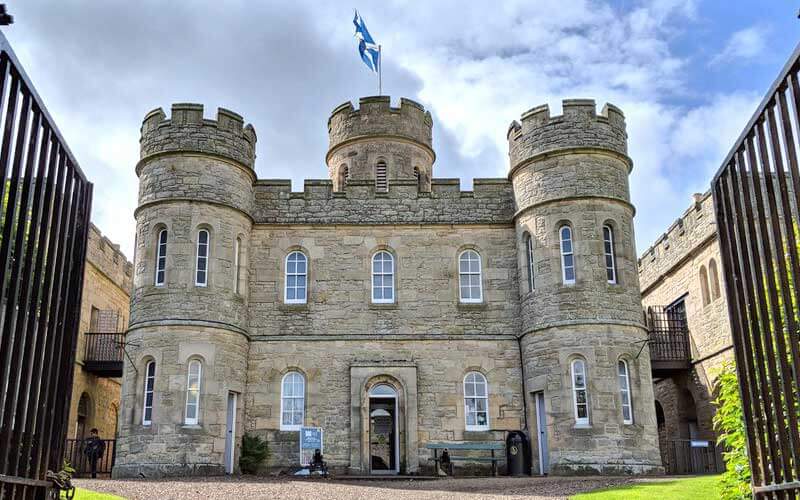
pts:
[756, 202]
[45, 202]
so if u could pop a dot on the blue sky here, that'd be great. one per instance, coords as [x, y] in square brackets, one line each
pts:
[687, 74]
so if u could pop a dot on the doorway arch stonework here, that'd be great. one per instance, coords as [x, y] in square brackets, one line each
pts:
[403, 378]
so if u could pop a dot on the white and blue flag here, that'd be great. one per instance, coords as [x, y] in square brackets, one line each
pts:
[369, 50]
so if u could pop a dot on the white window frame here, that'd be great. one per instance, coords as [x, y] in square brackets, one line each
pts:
[237, 261]
[467, 274]
[302, 398]
[565, 254]
[609, 254]
[383, 275]
[529, 251]
[203, 258]
[484, 397]
[286, 275]
[193, 392]
[161, 258]
[623, 374]
[149, 388]
[578, 388]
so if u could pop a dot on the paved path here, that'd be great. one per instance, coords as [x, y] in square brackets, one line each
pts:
[504, 488]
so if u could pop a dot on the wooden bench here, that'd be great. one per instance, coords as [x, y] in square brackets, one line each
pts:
[491, 446]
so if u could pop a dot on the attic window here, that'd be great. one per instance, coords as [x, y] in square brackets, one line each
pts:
[381, 183]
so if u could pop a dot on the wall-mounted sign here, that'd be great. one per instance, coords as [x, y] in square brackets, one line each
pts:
[699, 444]
[310, 440]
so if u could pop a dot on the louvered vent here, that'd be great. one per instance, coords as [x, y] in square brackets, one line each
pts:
[381, 183]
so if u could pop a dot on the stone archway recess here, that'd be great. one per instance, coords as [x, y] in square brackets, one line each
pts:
[403, 377]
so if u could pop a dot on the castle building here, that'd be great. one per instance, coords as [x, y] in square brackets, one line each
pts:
[105, 305]
[682, 272]
[384, 305]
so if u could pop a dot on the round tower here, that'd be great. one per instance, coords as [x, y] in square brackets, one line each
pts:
[582, 332]
[379, 147]
[187, 341]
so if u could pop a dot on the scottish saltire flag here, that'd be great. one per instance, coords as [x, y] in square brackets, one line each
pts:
[367, 47]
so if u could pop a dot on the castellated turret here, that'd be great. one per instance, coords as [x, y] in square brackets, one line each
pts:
[189, 300]
[580, 304]
[378, 146]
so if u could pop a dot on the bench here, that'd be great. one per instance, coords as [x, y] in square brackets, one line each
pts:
[491, 446]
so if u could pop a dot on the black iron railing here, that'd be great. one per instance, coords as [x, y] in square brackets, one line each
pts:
[45, 201]
[75, 454]
[669, 334]
[757, 205]
[103, 353]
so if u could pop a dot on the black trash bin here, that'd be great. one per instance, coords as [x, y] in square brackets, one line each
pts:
[518, 454]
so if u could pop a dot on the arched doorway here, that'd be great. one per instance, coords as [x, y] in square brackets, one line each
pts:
[663, 442]
[384, 444]
[84, 409]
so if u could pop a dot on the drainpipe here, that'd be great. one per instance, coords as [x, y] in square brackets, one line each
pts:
[524, 395]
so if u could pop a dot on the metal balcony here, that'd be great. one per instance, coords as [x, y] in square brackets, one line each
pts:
[104, 345]
[669, 340]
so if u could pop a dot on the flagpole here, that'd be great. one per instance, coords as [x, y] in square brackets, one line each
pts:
[380, 67]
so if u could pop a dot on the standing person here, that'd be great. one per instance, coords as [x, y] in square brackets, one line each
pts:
[93, 450]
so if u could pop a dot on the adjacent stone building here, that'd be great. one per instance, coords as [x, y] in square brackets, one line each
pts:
[682, 271]
[105, 306]
[384, 305]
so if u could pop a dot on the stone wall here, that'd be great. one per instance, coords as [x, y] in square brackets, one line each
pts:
[107, 285]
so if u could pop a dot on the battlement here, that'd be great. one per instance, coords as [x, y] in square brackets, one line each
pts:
[106, 256]
[188, 131]
[376, 117]
[578, 127]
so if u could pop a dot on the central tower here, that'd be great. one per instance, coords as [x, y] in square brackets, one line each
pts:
[378, 145]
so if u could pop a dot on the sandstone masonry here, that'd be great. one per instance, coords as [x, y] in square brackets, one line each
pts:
[384, 305]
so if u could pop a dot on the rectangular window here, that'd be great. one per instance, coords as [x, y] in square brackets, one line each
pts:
[608, 250]
[202, 258]
[625, 392]
[149, 385]
[476, 402]
[469, 277]
[529, 248]
[567, 256]
[193, 393]
[580, 395]
[296, 273]
[161, 258]
[237, 252]
[382, 278]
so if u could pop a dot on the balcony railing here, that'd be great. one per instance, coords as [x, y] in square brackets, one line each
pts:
[669, 340]
[104, 345]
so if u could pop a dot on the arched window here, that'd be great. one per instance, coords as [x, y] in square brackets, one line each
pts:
[713, 276]
[84, 409]
[529, 254]
[580, 395]
[476, 402]
[237, 264]
[567, 255]
[381, 181]
[608, 250]
[382, 277]
[149, 385]
[704, 286]
[161, 258]
[201, 272]
[293, 395]
[469, 276]
[193, 393]
[625, 391]
[296, 274]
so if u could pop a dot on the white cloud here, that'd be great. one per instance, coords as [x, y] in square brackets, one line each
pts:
[743, 44]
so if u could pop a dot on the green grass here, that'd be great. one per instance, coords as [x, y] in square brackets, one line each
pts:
[81, 494]
[702, 487]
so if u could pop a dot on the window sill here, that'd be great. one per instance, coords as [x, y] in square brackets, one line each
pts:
[191, 426]
[476, 429]
[290, 429]
[582, 426]
[293, 307]
[467, 306]
[383, 305]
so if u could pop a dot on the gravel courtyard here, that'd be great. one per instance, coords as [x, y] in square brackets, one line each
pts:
[304, 489]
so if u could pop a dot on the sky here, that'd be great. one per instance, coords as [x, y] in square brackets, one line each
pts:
[687, 74]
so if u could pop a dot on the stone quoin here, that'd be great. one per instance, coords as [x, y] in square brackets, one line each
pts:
[385, 305]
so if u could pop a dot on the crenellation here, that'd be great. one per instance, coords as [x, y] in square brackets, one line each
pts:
[187, 131]
[578, 127]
